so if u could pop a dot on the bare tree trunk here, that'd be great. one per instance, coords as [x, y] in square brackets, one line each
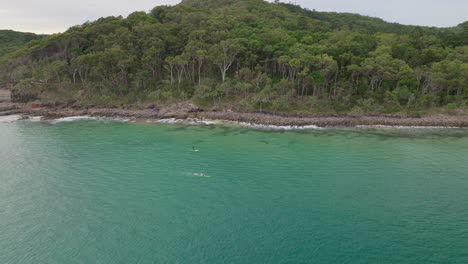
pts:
[172, 74]
[223, 73]
[74, 75]
[199, 73]
[336, 80]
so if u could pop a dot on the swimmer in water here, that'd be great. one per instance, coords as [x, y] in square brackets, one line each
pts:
[201, 175]
[194, 149]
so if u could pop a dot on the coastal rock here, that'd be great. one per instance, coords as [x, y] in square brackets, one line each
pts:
[7, 107]
[179, 111]
[10, 112]
[5, 96]
[190, 111]
[153, 107]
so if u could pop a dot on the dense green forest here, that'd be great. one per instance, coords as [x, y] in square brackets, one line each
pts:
[246, 55]
[11, 40]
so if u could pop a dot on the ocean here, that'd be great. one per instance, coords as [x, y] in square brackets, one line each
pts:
[93, 191]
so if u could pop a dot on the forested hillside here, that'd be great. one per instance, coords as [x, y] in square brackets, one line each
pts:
[11, 40]
[246, 55]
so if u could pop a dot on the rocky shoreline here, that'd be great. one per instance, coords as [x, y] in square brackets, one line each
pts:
[187, 111]
[192, 112]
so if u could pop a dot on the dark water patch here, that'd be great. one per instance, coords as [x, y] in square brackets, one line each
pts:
[199, 141]
[224, 132]
[177, 128]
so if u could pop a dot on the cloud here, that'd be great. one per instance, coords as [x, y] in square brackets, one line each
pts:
[51, 16]
[437, 13]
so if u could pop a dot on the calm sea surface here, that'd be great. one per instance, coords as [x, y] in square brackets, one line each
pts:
[105, 192]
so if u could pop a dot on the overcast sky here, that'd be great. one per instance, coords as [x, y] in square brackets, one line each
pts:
[52, 16]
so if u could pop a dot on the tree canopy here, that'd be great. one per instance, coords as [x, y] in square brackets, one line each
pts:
[11, 40]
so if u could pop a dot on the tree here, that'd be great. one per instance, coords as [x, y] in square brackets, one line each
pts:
[224, 54]
[152, 56]
[180, 63]
[449, 76]
[170, 61]
[382, 68]
[197, 49]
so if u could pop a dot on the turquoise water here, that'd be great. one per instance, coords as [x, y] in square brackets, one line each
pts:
[103, 192]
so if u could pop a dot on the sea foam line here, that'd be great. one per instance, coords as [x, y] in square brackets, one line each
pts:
[274, 127]
[88, 118]
[187, 121]
[72, 119]
[9, 118]
[245, 124]
[407, 127]
[34, 118]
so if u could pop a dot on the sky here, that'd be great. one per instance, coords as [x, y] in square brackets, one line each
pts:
[53, 16]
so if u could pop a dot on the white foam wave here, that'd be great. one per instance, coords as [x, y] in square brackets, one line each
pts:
[405, 127]
[9, 118]
[72, 119]
[251, 125]
[273, 127]
[34, 118]
[170, 121]
[187, 121]
[89, 118]
[116, 119]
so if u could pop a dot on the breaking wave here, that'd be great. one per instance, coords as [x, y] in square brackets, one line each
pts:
[406, 127]
[274, 127]
[9, 118]
[187, 121]
[88, 118]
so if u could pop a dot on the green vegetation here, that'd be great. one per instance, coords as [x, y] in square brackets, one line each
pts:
[12, 40]
[247, 55]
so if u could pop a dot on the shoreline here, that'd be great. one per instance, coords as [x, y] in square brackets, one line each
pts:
[193, 113]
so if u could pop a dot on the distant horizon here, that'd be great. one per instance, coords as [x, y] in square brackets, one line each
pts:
[66, 18]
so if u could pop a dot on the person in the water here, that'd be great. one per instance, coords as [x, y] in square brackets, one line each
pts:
[194, 149]
[200, 175]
